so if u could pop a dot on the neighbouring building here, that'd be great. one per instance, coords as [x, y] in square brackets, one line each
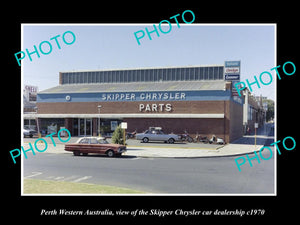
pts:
[254, 111]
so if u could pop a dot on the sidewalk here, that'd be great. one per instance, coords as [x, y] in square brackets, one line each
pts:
[169, 151]
[244, 145]
[227, 150]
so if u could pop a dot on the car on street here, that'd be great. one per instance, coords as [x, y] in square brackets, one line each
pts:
[99, 145]
[156, 134]
[29, 133]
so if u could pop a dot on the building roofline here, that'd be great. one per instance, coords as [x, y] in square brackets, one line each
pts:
[136, 86]
[144, 68]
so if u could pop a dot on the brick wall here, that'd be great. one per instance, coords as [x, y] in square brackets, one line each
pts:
[186, 107]
[205, 127]
[228, 128]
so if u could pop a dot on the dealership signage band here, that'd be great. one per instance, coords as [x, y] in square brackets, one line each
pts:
[232, 73]
[206, 95]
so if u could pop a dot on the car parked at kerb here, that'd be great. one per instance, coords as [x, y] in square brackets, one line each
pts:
[156, 134]
[99, 145]
[29, 133]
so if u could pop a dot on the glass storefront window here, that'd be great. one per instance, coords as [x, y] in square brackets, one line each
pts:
[30, 124]
[51, 125]
[201, 73]
[142, 75]
[221, 70]
[107, 126]
[210, 73]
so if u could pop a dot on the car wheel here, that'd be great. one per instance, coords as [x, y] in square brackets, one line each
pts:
[145, 140]
[190, 140]
[76, 153]
[110, 153]
[171, 141]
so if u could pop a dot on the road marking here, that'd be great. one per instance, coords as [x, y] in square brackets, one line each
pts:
[135, 158]
[61, 178]
[34, 174]
[82, 178]
[69, 178]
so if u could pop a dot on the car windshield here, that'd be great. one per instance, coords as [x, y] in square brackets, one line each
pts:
[83, 141]
[102, 141]
[92, 141]
[157, 132]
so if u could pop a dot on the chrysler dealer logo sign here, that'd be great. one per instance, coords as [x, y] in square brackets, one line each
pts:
[232, 73]
[232, 70]
[232, 77]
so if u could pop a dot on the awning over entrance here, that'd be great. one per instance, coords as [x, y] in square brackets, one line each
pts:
[129, 115]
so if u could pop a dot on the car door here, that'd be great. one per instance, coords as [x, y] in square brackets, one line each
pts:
[103, 146]
[148, 134]
[165, 136]
[152, 135]
[84, 145]
[95, 147]
[160, 136]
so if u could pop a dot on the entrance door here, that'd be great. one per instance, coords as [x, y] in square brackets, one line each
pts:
[88, 127]
[81, 127]
[84, 127]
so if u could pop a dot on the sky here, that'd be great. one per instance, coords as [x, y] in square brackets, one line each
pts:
[114, 46]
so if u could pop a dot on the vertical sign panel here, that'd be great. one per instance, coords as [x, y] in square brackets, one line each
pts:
[232, 73]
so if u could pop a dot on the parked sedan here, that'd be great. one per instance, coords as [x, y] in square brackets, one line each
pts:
[29, 133]
[100, 145]
[157, 135]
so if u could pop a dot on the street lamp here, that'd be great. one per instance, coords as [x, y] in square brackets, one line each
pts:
[99, 107]
[37, 122]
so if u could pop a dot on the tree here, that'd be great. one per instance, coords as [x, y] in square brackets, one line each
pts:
[117, 137]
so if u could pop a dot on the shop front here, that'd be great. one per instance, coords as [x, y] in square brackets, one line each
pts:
[79, 126]
[196, 99]
[206, 112]
[92, 126]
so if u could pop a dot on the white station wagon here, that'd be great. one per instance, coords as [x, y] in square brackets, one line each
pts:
[156, 134]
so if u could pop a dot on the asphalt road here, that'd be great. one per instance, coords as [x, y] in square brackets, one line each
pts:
[216, 175]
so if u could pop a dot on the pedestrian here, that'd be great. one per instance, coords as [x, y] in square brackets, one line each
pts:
[248, 130]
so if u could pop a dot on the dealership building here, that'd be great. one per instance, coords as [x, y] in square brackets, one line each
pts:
[197, 99]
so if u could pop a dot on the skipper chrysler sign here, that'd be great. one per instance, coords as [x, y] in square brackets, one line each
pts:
[205, 95]
[149, 96]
